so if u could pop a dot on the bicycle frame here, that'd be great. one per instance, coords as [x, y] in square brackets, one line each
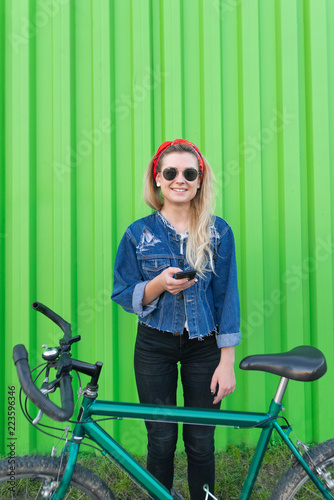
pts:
[93, 407]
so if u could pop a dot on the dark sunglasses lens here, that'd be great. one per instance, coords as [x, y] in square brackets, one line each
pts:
[190, 174]
[169, 173]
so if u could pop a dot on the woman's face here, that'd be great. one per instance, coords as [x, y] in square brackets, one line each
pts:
[178, 191]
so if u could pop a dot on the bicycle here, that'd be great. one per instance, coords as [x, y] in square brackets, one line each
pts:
[58, 480]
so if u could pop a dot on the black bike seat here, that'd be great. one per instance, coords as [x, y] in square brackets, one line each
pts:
[304, 363]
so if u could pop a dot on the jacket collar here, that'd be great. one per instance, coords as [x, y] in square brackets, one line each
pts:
[169, 226]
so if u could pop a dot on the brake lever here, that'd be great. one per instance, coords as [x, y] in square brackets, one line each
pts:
[45, 389]
[63, 364]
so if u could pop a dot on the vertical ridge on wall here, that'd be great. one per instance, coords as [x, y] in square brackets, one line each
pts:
[31, 201]
[71, 163]
[172, 73]
[3, 234]
[159, 57]
[18, 219]
[123, 163]
[321, 191]
[280, 173]
[201, 63]
[112, 338]
[88, 92]
[308, 162]
[241, 178]
[269, 63]
[330, 85]
[293, 299]
[182, 62]
[251, 162]
[210, 70]
[304, 194]
[6, 138]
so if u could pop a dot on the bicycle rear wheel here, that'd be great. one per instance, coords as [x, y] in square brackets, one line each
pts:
[26, 477]
[295, 483]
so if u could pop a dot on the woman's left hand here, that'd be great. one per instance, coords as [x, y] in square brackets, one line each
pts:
[223, 378]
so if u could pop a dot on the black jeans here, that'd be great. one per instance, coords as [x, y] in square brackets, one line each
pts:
[157, 354]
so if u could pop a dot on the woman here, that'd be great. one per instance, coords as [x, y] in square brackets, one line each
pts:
[194, 322]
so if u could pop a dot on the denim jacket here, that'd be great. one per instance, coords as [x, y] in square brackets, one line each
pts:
[149, 246]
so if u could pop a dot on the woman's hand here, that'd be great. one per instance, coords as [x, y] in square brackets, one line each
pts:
[173, 285]
[223, 378]
[165, 282]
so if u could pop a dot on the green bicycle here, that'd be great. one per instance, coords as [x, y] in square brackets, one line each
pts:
[58, 478]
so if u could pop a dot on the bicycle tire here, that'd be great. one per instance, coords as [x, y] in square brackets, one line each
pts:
[31, 472]
[295, 483]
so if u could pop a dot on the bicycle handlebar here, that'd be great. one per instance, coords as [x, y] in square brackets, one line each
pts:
[66, 327]
[62, 414]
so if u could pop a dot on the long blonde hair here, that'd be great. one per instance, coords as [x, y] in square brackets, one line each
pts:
[199, 252]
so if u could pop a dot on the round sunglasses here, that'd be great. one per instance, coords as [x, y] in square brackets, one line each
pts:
[190, 174]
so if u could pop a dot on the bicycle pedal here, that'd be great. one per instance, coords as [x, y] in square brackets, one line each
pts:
[176, 495]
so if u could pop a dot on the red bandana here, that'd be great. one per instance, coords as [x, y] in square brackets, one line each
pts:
[165, 145]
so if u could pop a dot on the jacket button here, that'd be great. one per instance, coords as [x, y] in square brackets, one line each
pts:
[177, 334]
[180, 263]
[181, 296]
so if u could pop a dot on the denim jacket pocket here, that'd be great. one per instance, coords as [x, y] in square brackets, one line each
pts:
[154, 266]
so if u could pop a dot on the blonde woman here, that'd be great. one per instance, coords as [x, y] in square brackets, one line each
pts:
[191, 321]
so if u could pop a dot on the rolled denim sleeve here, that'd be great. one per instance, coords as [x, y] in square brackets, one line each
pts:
[225, 293]
[137, 301]
[129, 283]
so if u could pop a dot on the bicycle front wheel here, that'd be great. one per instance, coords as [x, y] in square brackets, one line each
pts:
[296, 483]
[31, 476]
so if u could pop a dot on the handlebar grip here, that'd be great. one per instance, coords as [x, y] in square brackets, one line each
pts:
[20, 357]
[64, 325]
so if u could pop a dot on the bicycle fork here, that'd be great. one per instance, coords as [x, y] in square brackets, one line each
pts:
[285, 436]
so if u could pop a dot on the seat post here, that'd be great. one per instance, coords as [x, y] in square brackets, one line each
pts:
[281, 390]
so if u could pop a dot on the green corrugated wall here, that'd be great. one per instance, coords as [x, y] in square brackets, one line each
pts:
[88, 90]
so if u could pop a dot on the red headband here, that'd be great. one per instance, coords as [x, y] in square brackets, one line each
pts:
[165, 145]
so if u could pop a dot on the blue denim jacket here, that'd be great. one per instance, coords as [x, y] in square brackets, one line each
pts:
[149, 246]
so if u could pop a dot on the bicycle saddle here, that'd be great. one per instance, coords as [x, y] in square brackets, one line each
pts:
[304, 363]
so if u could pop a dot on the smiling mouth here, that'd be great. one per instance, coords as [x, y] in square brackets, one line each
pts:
[180, 190]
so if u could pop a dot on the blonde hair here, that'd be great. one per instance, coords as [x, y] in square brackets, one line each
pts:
[199, 252]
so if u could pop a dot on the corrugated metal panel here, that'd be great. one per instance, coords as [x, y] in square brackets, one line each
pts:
[88, 90]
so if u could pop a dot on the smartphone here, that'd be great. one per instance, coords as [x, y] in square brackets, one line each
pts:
[185, 274]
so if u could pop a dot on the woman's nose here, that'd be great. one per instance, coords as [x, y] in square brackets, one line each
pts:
[179, 176]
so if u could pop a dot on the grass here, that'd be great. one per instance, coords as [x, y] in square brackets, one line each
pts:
[231, 470]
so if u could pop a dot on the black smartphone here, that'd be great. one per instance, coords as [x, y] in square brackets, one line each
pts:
[185, 274]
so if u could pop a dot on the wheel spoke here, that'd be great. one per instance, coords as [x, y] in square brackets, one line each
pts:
[314, 493]
[34, 473]
[36, 498]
